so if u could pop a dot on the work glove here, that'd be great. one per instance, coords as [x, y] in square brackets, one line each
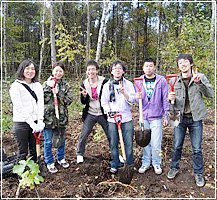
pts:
[51, 82]
[34, 127]
[41, 125]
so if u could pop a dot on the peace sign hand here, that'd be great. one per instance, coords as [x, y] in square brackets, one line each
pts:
[196, 76]
[121, 88]
[83, 91]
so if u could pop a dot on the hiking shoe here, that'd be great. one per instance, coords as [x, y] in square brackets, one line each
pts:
[51, 168]
[80, 159]
[143, 169]
[113, 170]
[157, 169]
[199, 180]
[63, 163]
[172, 173]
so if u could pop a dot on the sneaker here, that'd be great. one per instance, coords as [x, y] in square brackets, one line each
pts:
[157, 169]
[172, 173]
[51, 168]
[121, 159]
[80, 159]
[113, 170]
[143, 169]
[63, 163]
[199, 180]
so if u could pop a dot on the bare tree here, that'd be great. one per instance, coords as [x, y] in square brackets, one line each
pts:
[212, 31]
[88, 31]
[42, 39]
[102, 24]
[5, 38]
[52, 35]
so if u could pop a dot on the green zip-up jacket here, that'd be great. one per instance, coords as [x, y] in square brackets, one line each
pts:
[196, 91]
[64, 97]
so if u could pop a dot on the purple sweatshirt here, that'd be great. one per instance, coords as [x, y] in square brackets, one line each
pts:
[158, 104]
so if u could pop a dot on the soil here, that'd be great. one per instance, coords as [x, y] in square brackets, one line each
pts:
[92, 178]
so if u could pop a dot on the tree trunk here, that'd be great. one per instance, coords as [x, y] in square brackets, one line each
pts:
[5, 38]
[116, 32]
[136, 41]
[88, 32]
[177, 21]
[159, 38]
[42, 39]
[52, 35]
[102, 24]
[212, 31]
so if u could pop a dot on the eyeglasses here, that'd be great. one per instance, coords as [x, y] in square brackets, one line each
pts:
[117, 68]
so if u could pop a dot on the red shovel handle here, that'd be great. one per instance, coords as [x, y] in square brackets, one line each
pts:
[55, 80]
[37, 137]
[168, 76]
[138, 83]
[118, 118]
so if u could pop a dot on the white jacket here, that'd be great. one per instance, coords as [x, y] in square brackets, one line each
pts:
[25, 108]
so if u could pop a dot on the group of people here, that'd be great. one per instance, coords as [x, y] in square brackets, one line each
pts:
[102, 99]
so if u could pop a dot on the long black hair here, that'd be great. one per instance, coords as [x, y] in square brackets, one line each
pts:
[19, 74]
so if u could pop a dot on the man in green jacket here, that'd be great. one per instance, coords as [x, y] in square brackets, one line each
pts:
[188, 97]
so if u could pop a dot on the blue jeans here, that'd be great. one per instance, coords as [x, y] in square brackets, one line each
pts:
[48, 155]
[152, 152]
[195, 132]
[127, 132]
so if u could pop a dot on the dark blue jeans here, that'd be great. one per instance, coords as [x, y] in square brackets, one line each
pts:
[127, 132]
[195, 132]
[87, 127]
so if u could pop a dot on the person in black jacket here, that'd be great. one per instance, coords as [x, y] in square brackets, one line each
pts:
[91, 90]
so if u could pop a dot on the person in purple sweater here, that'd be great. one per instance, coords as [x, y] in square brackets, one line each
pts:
[154, 97]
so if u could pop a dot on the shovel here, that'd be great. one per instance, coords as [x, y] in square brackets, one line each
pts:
[55, 100]
[57, 132]
[143, 136]
[42, 167]
[173, 115]
[125, 172]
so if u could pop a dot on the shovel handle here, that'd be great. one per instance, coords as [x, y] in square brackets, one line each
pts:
[137, 81]
[122, 144]
[140, 111]
[118, 118]
[37, 138]
[168, 76]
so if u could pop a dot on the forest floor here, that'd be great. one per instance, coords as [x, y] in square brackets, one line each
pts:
[92, 178]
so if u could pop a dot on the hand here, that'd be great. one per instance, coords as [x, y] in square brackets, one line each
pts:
[83, 91]
[121, 88]
[41, 125]
[50, 82]
[55, 90]
[196, 76]
[139, 95]
[165, 123]
[172, 96]
[34, 127]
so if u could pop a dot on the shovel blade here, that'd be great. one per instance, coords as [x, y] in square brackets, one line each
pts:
[42, 167]
[174, 118]
[126, 174]
[143, 137]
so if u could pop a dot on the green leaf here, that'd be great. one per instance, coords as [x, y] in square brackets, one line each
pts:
[18, 169]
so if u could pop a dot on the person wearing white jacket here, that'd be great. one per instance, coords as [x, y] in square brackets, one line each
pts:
[28, 108]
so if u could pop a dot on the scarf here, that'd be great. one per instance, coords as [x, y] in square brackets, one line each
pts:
[111, 87]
